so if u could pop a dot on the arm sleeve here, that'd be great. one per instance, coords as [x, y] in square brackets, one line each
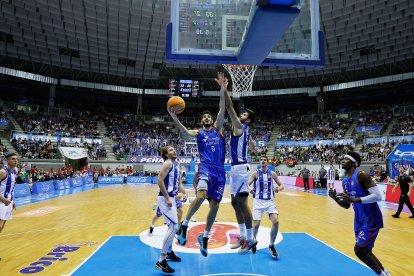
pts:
[374, 196]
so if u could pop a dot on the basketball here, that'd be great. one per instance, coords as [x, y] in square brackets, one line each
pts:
[176, 104]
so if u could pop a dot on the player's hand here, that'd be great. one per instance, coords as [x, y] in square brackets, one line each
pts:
[184, 198]
[332, 193]
[168, 201]
[6, 202]
[172, 114]
[345, 197]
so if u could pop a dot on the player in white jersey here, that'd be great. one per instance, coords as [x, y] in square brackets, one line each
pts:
[170, 184]
[8, 176]
[240, 143]
[331, 177]
[262, 184]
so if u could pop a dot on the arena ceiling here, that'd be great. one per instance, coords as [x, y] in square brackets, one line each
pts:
[123, 42]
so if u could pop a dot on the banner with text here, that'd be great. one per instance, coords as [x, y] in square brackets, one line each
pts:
[158, 159]
[309, 143]
[368, 128]
[55, 139]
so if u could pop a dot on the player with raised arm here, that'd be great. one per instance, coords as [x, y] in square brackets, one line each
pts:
[362, 192]
[240, 142]
[263, 184]
[211, 174]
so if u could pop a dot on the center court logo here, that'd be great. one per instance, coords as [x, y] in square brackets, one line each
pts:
[222, 236]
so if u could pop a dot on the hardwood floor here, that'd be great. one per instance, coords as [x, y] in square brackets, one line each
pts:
[87, 219]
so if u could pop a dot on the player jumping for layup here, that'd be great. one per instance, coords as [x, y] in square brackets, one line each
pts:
[211, 173]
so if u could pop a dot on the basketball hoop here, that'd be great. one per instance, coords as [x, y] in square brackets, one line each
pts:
[242, 79]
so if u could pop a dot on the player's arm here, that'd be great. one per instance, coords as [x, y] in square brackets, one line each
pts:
[165, 168]
[192, 133]
[279, 183]
[365, 181]
[397, 183]
[237, 127]
[252, 145]
[3, 175]
[252, 178]
[181, 189]
[222, 105]
[334, 196]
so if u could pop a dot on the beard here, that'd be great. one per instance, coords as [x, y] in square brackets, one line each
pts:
[206, 125]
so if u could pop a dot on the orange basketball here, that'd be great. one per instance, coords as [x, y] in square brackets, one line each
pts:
[176, 104]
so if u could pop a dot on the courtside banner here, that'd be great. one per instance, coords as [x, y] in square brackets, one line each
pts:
[87, 180]
[43, 187]
[111, 180]
[77, 182]
[158, 159]
[139, 180]
[62, 184]
[21, 190]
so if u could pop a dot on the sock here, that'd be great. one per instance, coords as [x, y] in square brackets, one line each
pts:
[205, 234]
[249, 234]
[161, 258]
[242, 228]
[185, 222]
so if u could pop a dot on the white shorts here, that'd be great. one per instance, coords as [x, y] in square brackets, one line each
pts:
[331, 181]
[239, 177]
[261, 205]
[6, 211]
[169, 213]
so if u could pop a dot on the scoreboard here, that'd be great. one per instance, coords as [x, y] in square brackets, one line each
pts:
[185, 88]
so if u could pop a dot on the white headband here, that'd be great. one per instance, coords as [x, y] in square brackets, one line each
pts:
[351, 158]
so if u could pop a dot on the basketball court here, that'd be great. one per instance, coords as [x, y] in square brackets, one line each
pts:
[102, 230]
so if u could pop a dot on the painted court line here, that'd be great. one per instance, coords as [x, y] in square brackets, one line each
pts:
[84, 261]
[355, 260]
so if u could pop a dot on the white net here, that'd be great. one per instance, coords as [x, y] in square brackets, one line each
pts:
[242, 79]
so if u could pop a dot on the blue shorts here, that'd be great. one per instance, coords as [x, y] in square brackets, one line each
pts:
[216, 180]
[179, 205]
[366, 238]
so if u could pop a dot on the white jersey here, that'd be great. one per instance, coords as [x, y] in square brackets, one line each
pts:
[239, 146]
[263, 185]
[7, 184]
[172, 180]
[331, 175]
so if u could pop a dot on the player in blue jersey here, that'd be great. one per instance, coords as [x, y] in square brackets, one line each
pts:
[263, 184]
[240, 142]
[169, 184]
[363, 193]
[211, 173]
[8, 176]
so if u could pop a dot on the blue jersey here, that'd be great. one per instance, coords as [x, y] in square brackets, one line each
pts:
[211, 147]
[172, 180]
[7, 184]
[263, 185]
[367, 216]
[238, 146]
